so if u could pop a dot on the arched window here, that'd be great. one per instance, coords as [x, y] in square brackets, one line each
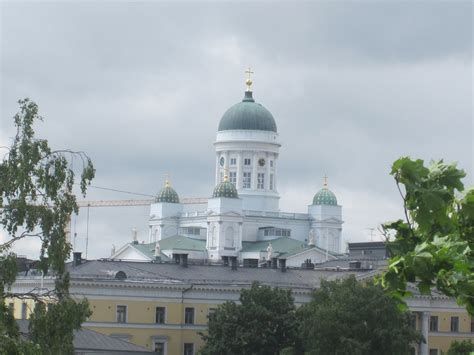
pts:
[229, 237]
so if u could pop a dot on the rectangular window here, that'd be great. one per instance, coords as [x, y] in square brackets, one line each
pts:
[247, 182]
[433, 323]
[211, 312]
[121, 314]
[271, 181]
[189, 315]
[160, 314]
[247, 161]
[23, 311]
[271, 163]
[413, 320]
[233, 177]
[233, 161]
[433, 351]
[455, 324]
[261, 181]
[159, 348]
[188, 349]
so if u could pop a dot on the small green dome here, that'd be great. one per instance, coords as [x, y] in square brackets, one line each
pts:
[167, 194]
[225, 189]
[248, 115]
[325, 197]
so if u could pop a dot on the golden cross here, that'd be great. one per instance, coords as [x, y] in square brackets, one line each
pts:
[325, 181]
[248, 82]
[167, 179]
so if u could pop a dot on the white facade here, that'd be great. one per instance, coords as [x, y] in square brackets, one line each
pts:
[250, 159]
[247, 151]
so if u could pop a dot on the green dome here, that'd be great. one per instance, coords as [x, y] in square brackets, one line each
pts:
[167, 194]
[325, 197]
[225, 189]
[248, 115]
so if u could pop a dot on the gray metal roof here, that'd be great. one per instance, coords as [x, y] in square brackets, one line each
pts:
[86, 340]
[171, 273]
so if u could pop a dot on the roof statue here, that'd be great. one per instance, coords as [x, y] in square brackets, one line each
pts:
[269, 251]
[157, 249]
[312, 237]
[135, 235]
[112, 251]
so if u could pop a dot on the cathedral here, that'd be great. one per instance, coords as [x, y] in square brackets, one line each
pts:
[242, 219]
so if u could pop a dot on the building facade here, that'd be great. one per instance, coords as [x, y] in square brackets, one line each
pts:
[164, 306]
[243, 210]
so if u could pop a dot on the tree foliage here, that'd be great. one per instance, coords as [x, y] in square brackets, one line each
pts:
[433, 246]
[347, 317]
[463, 347]
[263, 323]
[36, 201]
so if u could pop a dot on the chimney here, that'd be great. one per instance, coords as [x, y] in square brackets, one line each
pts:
[274, 263]
[282, 264]
[184, 260]
[76, 258]
[233, 262]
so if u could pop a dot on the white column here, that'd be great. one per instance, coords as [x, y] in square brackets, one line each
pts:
[267, 172]
[226, 163]
[425, 324]
[217, 169]
[239, 170]
[254, 170]
[275, 173]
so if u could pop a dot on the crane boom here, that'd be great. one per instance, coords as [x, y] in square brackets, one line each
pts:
[146, 202]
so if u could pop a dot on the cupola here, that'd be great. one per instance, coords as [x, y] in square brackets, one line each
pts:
[225, 189]
[325, 196]
[167, 194]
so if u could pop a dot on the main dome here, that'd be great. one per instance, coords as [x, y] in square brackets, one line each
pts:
[248, 115]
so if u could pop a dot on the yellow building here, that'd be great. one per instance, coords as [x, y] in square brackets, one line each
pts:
[164, 306]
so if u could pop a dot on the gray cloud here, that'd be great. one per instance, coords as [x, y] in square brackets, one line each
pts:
[141, 87]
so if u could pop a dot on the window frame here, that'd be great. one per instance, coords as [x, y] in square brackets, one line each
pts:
[434, 323]
[233, 177]
[456, 319]
[233, 161]
[260, 181]
[156, 315]
[247, 180]
[192, 348]
[247, 162]
[160, 341]
[186, 322]
[117, 313]
[24, 310]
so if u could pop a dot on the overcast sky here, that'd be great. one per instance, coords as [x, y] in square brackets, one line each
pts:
[141, 88]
